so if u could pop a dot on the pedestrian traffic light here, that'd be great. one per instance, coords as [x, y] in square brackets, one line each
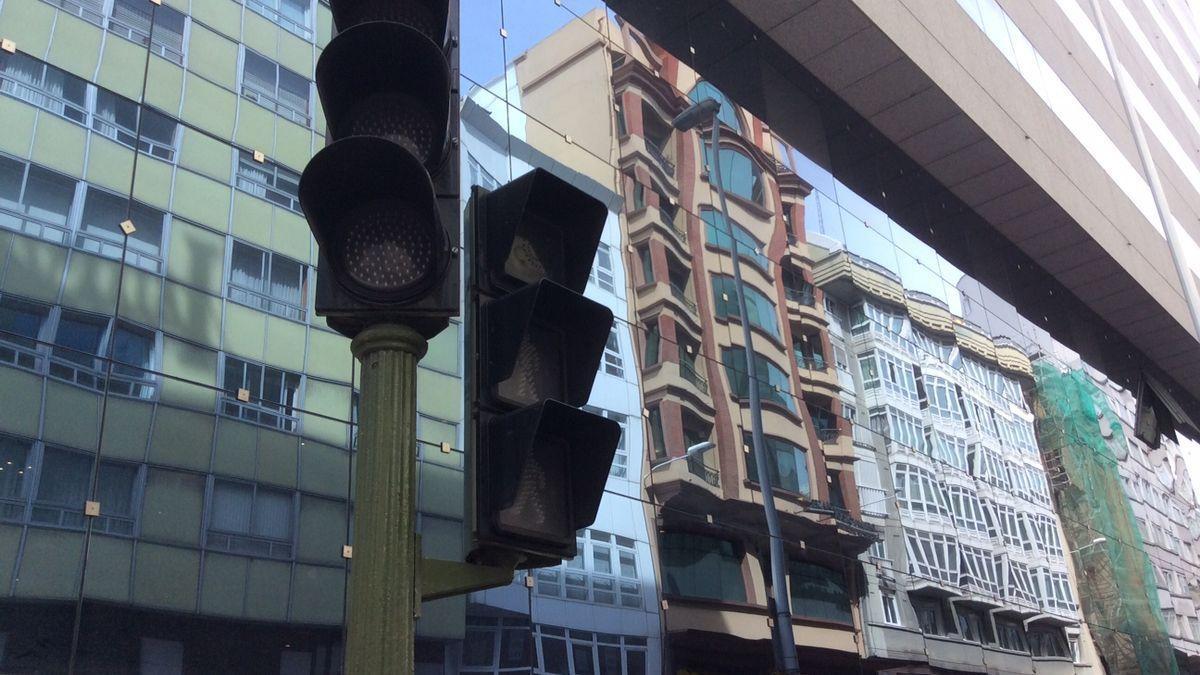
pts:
[537, 464]
[382, 197]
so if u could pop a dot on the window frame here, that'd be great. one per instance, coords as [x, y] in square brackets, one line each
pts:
[581, 574]
[293, 521]
[247, 182]
[254, 298]
[289, 417]
[271, 100]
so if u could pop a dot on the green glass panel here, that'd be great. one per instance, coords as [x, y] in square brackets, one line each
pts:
[166, 577]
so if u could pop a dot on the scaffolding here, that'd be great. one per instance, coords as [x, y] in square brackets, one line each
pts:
[1118, 595]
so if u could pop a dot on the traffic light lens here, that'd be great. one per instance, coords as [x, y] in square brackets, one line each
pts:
[539, 500]
[537, 373]
[400, 118]
[537, 252]
[388, 247]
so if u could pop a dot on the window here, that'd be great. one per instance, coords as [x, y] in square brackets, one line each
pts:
[14, 462]
[497, 645]
[973, 626]
[898, 377]
[740, 175]
[728, 111]
[620, 465]
[614, 364]
[131, 20]
[275, 88]
[578, 652]
[930, 616]
[480, 175]
[1019, 587]
[943, 398]
[968, 512]
[44, 86]
[247, 519]
[647, 264]
[978, 570]
[1055, 590]
[818, 592]
[619, 109]
[906, 430]
[657, 441]
[759, 308]
[273, 394]
[21, 326]
[269, 181]
[91, 11]
[76, 348]
[293, 15]
[1045, 529]
[653, 342]
[879, 549]
[604, 571]
[788, 472]
[1012, 528]
[100, 230]
[774, 384]
[891, 613]
[989, 467]
[951, 449]
[116, 117]
[932, 556]
[133, 353]
[716, 232]
[602, 269]
[65, 484]
[870, 370]
[1010, 636]
[1048, 642]
[268, 281]
[918, 490]
[35, 201]
[701, 567]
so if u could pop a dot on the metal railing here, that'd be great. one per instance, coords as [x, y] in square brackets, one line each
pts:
[813, 362]
[90, 11]
[681, 295]
[277, 17]
[265, 302]
[827, 434]
[35, 96]
[804, 296]
[698, 468]
[128, 137]
[844, 518]
[872, 500]
[671, 221]
[266, 414]
[139, 36]
[657, 153]
[688, 372]
[268, 100]
[109, 245]
[247, 544]
[19, 222]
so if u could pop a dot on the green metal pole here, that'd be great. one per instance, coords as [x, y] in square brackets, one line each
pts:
[383, 583]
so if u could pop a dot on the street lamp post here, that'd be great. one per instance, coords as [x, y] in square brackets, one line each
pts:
[785, 655]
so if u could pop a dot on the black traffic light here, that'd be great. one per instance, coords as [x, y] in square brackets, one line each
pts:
[537, 463]
[382, 197]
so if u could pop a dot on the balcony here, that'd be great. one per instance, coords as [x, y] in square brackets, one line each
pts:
[689, 373]
[815, 371]
[671, 220]
[828, 434]
[845, 519]
[872, 501]
[659, 156]
[682, 296]
[698, 468]
[804, 296]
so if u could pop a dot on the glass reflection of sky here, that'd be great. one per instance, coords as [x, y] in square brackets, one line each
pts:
[832, 209]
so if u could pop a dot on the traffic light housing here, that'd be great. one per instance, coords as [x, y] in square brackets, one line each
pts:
[537, 464]
[382, 197]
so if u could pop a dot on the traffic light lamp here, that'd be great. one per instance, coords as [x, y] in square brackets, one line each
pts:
[382, 197]
[537, 463]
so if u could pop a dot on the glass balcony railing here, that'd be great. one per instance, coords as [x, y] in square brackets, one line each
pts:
[811, 362]
[828, 434]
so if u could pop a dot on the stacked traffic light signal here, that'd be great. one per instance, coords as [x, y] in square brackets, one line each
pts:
[382, 197]
[538, 464]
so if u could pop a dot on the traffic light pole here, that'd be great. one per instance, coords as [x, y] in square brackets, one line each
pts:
[383, 597]
[782, 631]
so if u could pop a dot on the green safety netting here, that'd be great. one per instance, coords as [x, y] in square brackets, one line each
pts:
[1081, 440]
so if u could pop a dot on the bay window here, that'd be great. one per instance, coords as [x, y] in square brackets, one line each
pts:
[698, 566]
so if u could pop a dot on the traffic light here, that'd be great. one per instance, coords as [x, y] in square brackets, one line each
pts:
[537, 464]
[382, 197]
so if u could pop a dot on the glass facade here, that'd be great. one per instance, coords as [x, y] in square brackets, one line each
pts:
[178, 426]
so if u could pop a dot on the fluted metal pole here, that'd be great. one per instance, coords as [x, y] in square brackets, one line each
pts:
[383, 594]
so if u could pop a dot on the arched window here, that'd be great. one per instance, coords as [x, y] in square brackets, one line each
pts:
[728, 111]
[739, 174]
